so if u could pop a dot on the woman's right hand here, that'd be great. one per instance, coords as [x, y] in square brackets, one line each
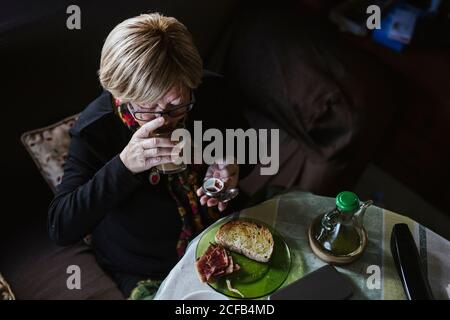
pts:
[143, 152]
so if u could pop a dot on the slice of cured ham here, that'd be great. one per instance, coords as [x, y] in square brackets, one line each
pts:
[216, 261]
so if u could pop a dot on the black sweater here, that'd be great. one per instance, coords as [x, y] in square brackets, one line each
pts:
[135, 225]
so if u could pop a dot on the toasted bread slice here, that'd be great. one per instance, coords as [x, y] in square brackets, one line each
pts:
[250, 239]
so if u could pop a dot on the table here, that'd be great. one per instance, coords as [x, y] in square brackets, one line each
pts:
[374, 275]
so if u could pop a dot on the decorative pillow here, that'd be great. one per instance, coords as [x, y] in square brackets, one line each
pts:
[5, 290]
[48, 147]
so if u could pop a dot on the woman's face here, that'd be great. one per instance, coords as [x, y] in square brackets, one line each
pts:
[175, 97]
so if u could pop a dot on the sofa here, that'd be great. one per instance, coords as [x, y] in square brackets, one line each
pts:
[330, 101]
[294, 74]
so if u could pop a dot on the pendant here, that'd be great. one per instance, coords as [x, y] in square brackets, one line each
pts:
[154, 177]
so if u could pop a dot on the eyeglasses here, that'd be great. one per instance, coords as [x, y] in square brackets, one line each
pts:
[173, 112]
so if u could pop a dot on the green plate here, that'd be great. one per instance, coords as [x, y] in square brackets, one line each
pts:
[254, 279]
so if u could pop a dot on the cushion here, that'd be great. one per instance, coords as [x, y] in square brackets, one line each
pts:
[5, 290]
[48, 148]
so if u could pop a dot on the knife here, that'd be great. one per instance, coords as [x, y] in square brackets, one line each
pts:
[408, 264]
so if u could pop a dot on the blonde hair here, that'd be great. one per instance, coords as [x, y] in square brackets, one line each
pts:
[145, 56]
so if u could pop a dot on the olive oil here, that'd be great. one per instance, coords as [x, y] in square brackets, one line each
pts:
[338, 236]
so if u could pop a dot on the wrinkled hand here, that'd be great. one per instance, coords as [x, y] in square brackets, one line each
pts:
[143, 153]
[228, 173]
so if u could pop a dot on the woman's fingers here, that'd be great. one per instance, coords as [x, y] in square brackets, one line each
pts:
[223, 172]
[151, 162]
[222, 206]
[151, 143]
[158, 152]
[144, 131]
[200, 192]
[203, 200]
[229, 171]
[211, 202]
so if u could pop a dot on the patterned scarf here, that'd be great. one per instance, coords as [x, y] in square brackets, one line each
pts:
[182, 188]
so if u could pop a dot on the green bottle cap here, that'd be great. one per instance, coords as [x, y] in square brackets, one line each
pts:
[347, 201]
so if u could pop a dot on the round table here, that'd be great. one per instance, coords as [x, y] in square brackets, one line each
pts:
[374, 275]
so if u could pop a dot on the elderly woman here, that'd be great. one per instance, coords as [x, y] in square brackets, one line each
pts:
[141, 220]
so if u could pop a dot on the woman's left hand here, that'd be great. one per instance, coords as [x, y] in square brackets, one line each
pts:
[228, 173]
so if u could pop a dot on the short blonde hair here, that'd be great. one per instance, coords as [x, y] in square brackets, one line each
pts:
[145, 56]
